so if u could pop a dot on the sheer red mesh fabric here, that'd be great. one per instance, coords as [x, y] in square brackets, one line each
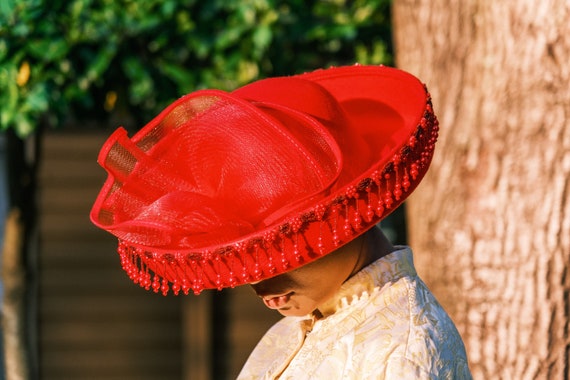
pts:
[212, 168]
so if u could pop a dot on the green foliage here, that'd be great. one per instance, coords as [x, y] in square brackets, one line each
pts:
[90, 58]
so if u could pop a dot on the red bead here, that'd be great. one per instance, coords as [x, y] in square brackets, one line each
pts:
[256, 272]
[320, 245]
[369, 213]
[176, 287]
[376, 177]
[414, 171]
[388, 200]
[357, 221]
[233, 281]
[164, 287]
[336, 239]
[412, 142]
[155, 284]
[296, 225]
[146, 283]
[185, 286]
[397, 192]
[320, 211]
[380, 209]
[284, 261]
[347, 227]
[396, 159]
[351, 192]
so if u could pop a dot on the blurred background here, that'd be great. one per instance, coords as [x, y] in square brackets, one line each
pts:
[489, 225]
[70, 73]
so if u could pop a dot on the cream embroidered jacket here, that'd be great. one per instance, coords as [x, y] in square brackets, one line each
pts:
[383, 324]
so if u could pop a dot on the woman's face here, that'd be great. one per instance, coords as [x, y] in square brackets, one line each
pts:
[301, 291]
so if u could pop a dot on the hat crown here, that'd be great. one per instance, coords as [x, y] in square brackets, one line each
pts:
[214, 166]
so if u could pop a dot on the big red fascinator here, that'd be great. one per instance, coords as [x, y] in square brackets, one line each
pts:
[222, 189]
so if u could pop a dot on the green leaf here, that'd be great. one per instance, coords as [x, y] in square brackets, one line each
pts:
[101, 62]
[262, 37]
[141, 83]
[36, 100]
[9, 91]
[7, 8]
[49, 49]
[24, 125]
[3, 49]
[183, 77]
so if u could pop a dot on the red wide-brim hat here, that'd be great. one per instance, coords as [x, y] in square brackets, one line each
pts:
[223, 189]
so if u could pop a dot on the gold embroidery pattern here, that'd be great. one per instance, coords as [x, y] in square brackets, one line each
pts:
[383, 324]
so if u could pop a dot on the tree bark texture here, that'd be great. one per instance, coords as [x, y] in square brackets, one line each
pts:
[19, 261]
[14, 310]
[491, 221]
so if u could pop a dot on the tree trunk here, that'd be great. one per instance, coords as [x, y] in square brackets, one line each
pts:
[19, 260]
[491, 222]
